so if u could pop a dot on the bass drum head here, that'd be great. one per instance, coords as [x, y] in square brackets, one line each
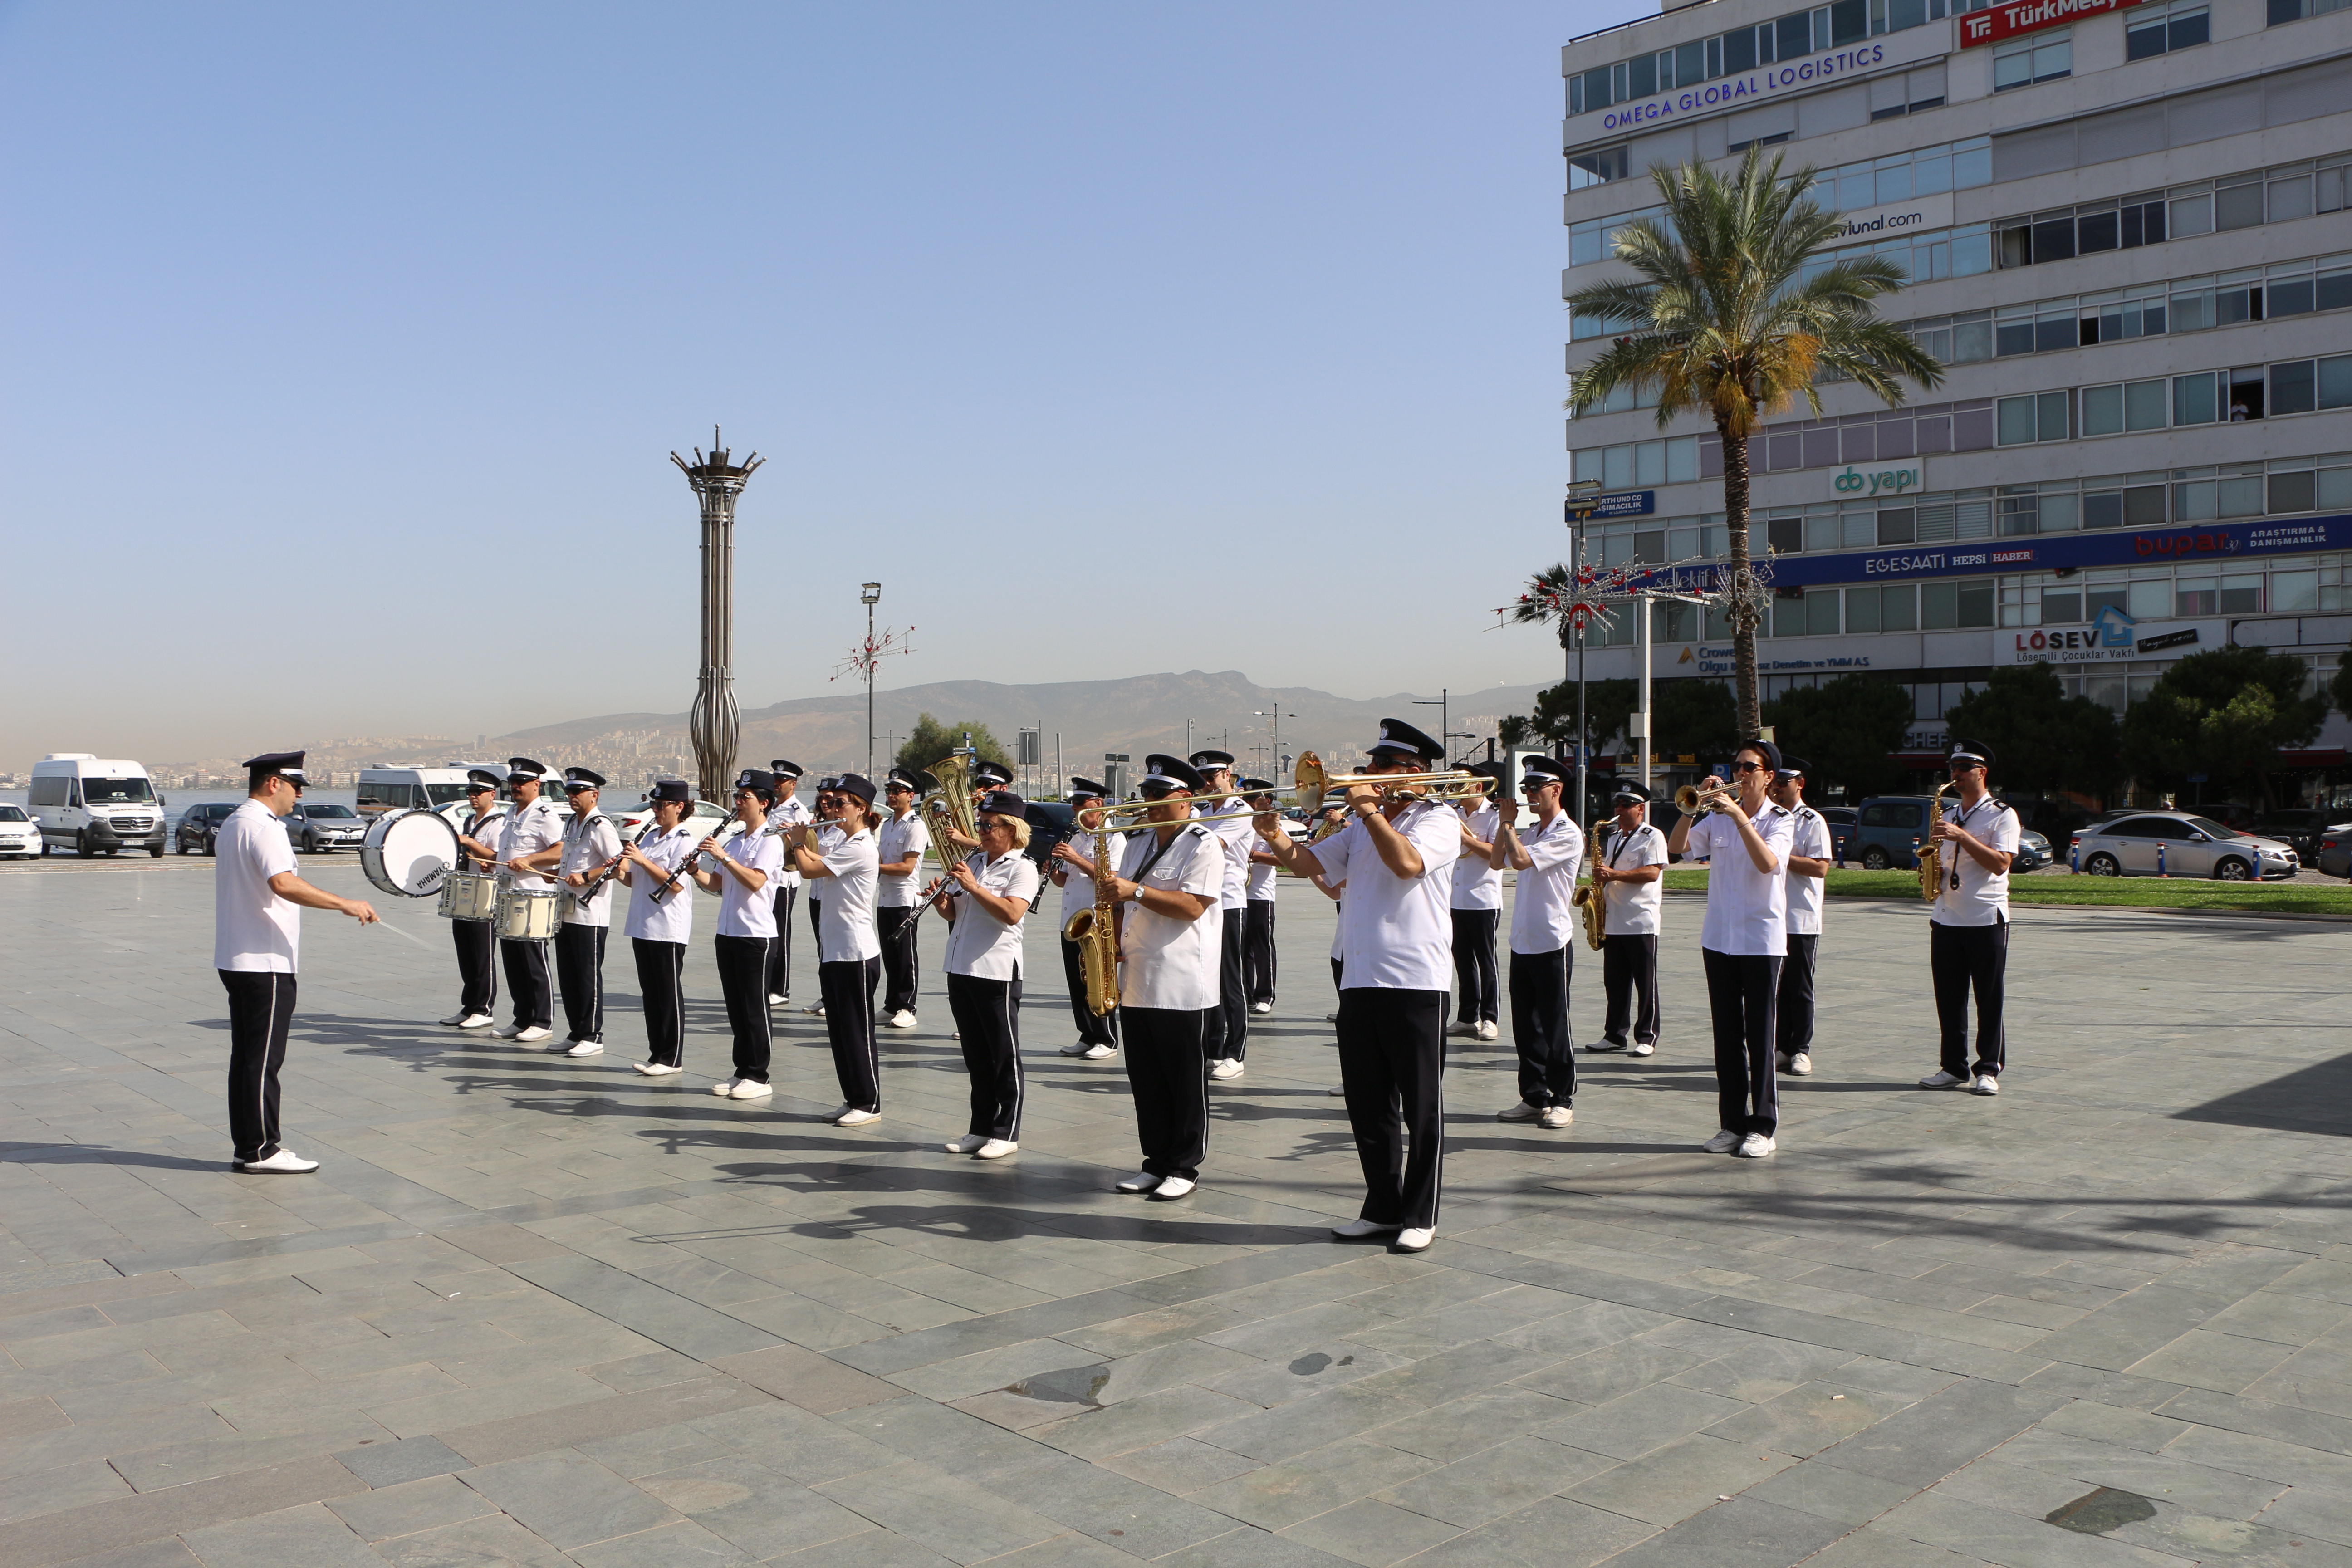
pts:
[409, 852]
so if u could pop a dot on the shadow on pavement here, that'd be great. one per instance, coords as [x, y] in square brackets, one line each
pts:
[2315, 1098]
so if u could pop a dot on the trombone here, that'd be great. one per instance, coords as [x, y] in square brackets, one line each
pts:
[1309, 787]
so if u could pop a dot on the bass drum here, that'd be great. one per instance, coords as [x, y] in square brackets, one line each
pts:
[409, 852]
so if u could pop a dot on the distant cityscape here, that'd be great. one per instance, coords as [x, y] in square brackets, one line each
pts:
[627, 759]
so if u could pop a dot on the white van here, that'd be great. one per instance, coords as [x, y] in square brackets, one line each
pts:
[398, 789]
[89, 803]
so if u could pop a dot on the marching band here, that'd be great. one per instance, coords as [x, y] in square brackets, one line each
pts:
[1166, 931]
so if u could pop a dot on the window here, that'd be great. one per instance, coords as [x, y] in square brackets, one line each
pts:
[117, 792]
[2196, 399]
[1947, 606]
[1742, 49]
[2299, 386]
[2122, 405]
[1639, 463]
[1597, 167]
[46, 791]
[2021, 420]
[2160, 29]
[2043, 56]
[2284, 11]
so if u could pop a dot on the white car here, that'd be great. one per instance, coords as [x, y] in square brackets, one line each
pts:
[19, 834]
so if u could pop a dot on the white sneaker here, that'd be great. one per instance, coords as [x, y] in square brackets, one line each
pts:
[1755, 1146]
[1798, 1064]
[1604, 1045]
[1722, 1142]
[996, 1148]
[1336, 1088]
[856, 1118]
[1638, 1049]
[509, 1032]
[1522, 1111]
[1330, 1018]
[474, 1021]
[814, 1009]
[584, 1048]
[1986, 1083]
[1075, 1048]
[1099, 1053]
[745, 1088]
[285, 1163]
[1486, 1031]
[970, 1143]
[1464, 1030]
[1261, 1008]
[1226, 1069]
[656, 1069]
[1942, 1080]
[1174, 1187]
[455, 1018]
[1142, 1182]
[777, 999]
[838, 1111]
[1357, 1229]
[533, 1035]
[1558, 1115]
[901, 1020]
[1416, 1239]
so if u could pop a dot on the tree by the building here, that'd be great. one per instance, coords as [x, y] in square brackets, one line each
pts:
[2226, 714]
[2044, 738]
[1846, 729]
[932, 740]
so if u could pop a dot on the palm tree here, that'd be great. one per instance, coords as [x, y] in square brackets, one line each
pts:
[1725, 319]
[1547, 591]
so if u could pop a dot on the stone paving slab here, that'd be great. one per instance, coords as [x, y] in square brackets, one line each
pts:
[545, 1311]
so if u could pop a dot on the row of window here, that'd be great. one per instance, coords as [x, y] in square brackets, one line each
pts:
[2039, 57]
[2203, 397]
[1789, 37]
[2182, 212]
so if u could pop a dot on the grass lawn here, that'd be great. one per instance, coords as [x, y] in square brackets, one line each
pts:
[2043, 887]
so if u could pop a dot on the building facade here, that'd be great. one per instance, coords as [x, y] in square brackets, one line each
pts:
[2129, 234]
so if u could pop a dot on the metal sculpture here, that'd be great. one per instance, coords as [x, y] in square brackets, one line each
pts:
[715, 726]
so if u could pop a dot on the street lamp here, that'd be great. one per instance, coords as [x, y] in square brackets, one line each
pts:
[1277, 717]
[871, 593]
[1638, 727]
[1581, 490]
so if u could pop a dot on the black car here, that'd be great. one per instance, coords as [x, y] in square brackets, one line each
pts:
[2301, 827]
[2334, 855]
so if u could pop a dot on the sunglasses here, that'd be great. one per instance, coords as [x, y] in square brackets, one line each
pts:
[1750, 768]
[1534, 785]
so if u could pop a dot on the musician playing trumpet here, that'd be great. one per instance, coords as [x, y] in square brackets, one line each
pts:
[745, 869]
[1745, 839]
[661, 922]
[1543, 936]
[1629, 868]
[1967, 929]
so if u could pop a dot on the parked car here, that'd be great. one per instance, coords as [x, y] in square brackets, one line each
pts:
[317, 827]
[19, 834]
[1887, 829]
[705, 818]
[2334, 855]
[1842, 820]
[2183, 845]
[2231, 814]
[2048, 813]
[2301, 827]
[95, 805]
[199, 828]
[2033, 851]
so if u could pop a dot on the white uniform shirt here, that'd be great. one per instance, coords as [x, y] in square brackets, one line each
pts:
[1261, 878]
[1397, 934]
[485, 830]
[1543, 912]
[741, 912]
[1981, 899]
[845, 927]
[527, 829]
[1632, 908]
[979, 944]
[255, 931]
[1747, 910]
[895, 840]
[792, 810]
[1078, 888]
[1809, 837]
[672, 920]
[1476, 884]
[1229, 820]
[588, 843]
[1169, 962]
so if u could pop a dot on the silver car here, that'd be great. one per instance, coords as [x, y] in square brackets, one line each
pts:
[2177, 844]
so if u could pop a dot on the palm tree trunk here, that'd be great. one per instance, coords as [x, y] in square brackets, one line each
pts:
[1743, 611]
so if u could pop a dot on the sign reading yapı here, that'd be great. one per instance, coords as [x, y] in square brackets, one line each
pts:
[1877, 482]
[1906, 47]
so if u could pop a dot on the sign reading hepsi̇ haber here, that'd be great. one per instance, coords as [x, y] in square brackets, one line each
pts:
[1876, 483]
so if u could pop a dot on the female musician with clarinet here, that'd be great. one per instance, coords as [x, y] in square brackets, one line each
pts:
[993, 888]
[841, 877]
[661, 922]
[746, 867]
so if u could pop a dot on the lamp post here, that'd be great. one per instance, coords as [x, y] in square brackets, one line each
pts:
[715, 725]
[1580, 490]
[1275, 758]
[1443, 697]
[871, 593]
[1638, 727]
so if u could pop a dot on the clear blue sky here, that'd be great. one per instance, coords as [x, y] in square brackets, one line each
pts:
[346, 345]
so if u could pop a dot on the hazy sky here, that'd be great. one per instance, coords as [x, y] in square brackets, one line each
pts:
[346, 345]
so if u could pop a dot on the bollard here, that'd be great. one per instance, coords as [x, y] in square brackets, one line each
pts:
[2159, 858]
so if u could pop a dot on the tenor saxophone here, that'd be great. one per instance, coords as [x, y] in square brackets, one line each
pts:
[1931, 858]
[1587, 898]
[1095, 930]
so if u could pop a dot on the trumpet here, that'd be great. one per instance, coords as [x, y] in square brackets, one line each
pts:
[1690, 800]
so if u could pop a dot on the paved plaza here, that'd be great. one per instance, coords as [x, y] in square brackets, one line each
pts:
[546, 1311]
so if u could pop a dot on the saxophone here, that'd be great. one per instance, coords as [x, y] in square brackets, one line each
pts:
[1095, 930]
[1587, 898]
[1931, 858]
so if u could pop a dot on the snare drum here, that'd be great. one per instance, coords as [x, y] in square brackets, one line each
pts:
[409, 852]
[467, 896]
[526, 916]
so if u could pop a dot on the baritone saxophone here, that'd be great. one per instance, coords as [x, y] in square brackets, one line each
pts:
[1587, 898]
[1095, 930]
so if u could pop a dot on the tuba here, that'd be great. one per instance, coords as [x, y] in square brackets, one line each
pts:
[950, 810]
[1586, 899]
[1931, 858]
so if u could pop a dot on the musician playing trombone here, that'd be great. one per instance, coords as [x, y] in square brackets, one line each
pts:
[1745, 839]
[1544, 931]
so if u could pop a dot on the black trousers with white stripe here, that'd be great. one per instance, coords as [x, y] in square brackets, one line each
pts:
[525, 967]
[661, 982]
[779, 978]
[1629, 970]
[1965, 958]
[1539, 1026]
[898, 926]
[1474, 964]
[1741, 988]
[988, 1015]
[1392, 1070]
[477, 970]
[1258, 951]
[1168, 1073]
[1232, 994]
[1793, 1008]
[260, 1012]
[743, 980]
[1092, 1031]
[580, 972]
[847, 989]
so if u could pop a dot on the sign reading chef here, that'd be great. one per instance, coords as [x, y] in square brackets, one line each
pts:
[2032, 17]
